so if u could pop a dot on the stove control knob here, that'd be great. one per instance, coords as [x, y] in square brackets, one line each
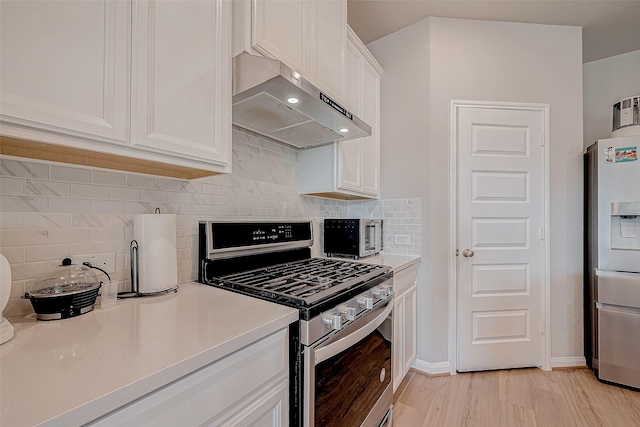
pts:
[333, 321]
[348, 313]
[389, 289]
[365, 302]
[380, 293]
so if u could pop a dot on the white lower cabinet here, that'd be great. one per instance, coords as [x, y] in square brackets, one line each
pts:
[247, 388]
[404, 323]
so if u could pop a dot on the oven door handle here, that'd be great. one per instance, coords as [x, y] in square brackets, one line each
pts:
[342, 344]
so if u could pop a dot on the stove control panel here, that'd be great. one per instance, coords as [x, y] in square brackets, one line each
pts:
[347, 312]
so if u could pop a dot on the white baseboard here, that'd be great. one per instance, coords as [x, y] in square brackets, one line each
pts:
[444, 367]
[431, 368]
[568, 362]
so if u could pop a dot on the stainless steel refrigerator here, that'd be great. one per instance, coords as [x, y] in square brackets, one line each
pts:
[612, 260]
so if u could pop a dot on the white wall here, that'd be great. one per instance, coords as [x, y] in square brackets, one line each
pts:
[437, 60]
[606, 82]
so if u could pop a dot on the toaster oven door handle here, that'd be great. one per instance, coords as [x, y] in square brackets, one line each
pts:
[342, 344]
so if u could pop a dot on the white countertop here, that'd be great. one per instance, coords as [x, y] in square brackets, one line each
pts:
[68, 372]
[396, 262]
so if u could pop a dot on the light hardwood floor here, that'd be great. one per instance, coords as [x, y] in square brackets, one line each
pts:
[517, 397]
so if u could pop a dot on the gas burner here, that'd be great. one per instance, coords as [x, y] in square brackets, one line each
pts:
[304, 282]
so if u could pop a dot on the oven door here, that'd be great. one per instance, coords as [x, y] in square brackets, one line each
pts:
[348, 378]
[369, 237]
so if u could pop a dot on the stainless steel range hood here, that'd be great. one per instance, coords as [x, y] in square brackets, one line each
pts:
[265, 92]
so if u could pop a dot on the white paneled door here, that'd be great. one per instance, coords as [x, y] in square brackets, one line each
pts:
[501, 250]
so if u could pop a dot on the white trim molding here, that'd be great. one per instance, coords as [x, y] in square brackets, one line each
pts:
[431, 368]
[455, 105]
[568, 362]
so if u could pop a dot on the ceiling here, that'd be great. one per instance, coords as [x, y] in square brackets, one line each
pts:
[609, 27]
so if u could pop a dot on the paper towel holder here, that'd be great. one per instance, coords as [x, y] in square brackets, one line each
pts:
[135, 276]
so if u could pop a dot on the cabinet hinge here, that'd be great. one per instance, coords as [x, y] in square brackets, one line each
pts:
[457, 252]
[542, 331]
[542, 237]
[542, 140]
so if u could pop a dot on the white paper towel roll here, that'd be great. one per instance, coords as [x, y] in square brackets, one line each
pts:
[157, 253]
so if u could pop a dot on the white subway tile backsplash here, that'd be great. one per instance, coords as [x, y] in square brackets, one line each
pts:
[153, 196]
[71, 235]
[141, 181]
[108, 178]
[12, 186]
[69, 205]
[122, 220]
[89, 191]
[24, 237]
[83, 220]
[73, 214]
[47, 253]
[90, 248]
[11, 220]
[28, 270]
[127, 194]
[15, 254]
[17, 291]
[47, 220]
[24, 204]
[23, 169]
[70, 174]
[107, 234]
[179, 197]
[168, 184]
[47, 188]
[107, 206]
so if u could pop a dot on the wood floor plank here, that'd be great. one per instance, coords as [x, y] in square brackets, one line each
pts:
[514, 398]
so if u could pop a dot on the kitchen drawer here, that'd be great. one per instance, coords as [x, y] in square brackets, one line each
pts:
[213, 394]
[614, 287]
[619, 345]
[404, 278]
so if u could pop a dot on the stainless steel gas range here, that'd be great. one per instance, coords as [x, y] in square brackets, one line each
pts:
[340, 350]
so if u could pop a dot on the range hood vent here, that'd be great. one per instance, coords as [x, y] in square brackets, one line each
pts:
[272, 100]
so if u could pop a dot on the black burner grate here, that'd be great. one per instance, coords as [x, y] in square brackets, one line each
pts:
[307, 280]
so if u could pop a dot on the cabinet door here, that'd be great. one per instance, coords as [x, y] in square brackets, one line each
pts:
[280, 30]
[64, 66]
[244, 385]
[398, 341]
[269, 410]
[353, 79]
[181, 88]
[370, 144]
[410, 332]
[330, 39]
[350, 165]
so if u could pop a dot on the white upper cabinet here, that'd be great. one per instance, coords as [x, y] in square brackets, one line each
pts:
[142, 86]
[309, 36]
[349, 169]
[330, 40]
[64, 66]
[181, 74]
[370, 113]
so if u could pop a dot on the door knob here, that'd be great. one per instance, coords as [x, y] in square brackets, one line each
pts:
[468, 253]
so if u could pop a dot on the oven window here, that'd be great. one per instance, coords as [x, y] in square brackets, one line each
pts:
[349, 384]
[369, 238]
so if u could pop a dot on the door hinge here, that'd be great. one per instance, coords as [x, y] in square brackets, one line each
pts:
[542, 237]
[542, 140]
[542, 331]
[457, 252]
